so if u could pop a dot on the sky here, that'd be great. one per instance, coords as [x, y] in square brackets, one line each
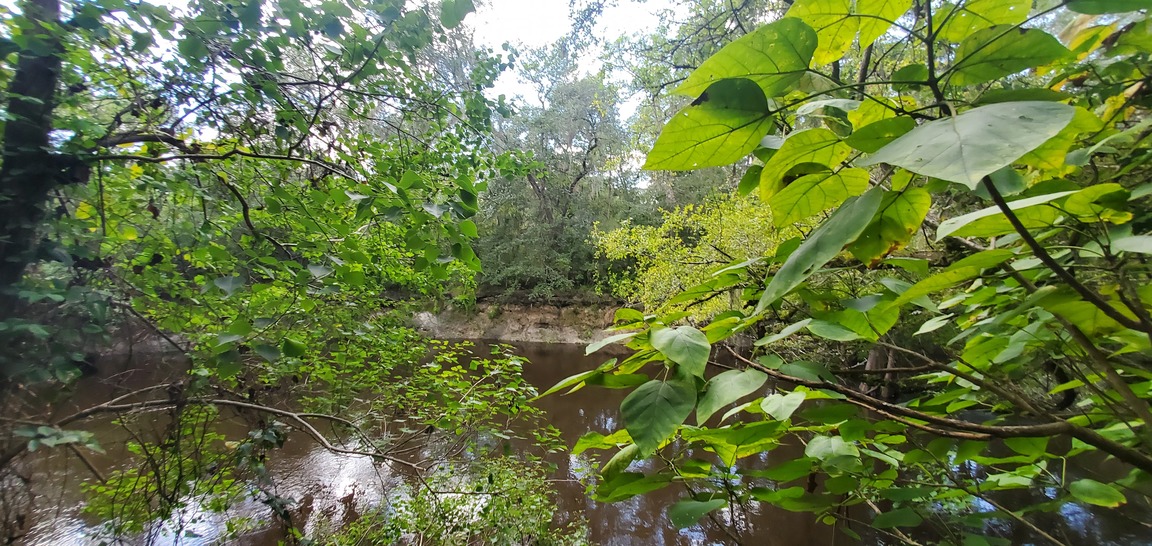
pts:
[536, 23]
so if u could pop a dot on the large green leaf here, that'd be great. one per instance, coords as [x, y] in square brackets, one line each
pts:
[990, 222]
[1099, 7]
[825, 242]
[963, 270]
[654, 411]
[738, 441]
[452, 12]
[957, 24]
[1001, 50]
[976, 143]
[685, 346]
[727, 388]
[870, 138]
[721, 126]
[828, 447]
[814, 193]
[834, 25]
[816, 146]
[877, 16]
[899, 218]
[624, 485]
[687, 512]
[1094, 492]
[782, 406]
[900, 517]
[775, 56]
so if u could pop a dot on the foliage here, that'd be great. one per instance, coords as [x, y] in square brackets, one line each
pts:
[567, 168]
[264, 186]
[500, 501]
[1029, 163]
[658, 264]
[179, 476]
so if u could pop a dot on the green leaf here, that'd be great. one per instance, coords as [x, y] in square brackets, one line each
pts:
[721, 126]
[595, 440]
[229, 284]
[787, 331]
[1134, 243]
[780, 406]
[453, 12]
[999, 51]
[825, 242]
[1100, 7]
[833, 331]
[292, 348]
[608, 341]
[934, 324]
[900, 517]
[319, 271]
[269, 352]
[578, 379]
[812, 371]
[990, 221]
[898, 219]
[468, 228]
[687, 512]
[816, 146]
[976, 143]
[1096, 493]
[877, 16]
[874, 136]
[751, 179]
[775, 56]
[685, 346]
[738, 441]
[654, 411]
[974, 15]
[829, 447]
[835, 27]
[726, 388]
[1032, 447]
[966, 269]
[815, 193]
[629, 484]
[228, 368]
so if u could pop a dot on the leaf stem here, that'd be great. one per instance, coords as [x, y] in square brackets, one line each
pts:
[1060, 271]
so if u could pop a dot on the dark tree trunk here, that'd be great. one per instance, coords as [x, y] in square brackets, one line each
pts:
[29, 170]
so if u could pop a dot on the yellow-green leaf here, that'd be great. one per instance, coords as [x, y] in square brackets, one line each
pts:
[819, 146]
[775, 56]
[814, 193]
[721, 126]
[1002, 50]
[835, 27]
[956, 24]
[899, 218]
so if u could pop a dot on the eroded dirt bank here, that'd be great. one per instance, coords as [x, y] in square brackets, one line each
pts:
[516, 323]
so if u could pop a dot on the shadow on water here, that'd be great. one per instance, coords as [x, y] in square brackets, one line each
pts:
[337, 487]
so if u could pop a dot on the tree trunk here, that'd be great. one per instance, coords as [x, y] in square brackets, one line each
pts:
[29, 170]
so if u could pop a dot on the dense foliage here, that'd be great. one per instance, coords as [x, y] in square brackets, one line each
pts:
[261, 187]
[891, 256]
[1020, 344]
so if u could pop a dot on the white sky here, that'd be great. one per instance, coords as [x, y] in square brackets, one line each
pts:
[536, 23]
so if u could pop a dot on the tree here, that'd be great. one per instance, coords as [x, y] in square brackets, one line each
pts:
[257, 184]
[865, 116]
[686, 249]
[568, 168]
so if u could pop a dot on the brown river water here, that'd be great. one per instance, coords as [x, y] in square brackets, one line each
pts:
[338, 487]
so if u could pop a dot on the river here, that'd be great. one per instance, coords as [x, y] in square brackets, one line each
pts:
[338, 486]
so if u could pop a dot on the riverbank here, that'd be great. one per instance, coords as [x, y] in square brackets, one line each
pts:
[520, 323]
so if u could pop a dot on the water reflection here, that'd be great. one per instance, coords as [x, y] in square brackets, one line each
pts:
[335, 487]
